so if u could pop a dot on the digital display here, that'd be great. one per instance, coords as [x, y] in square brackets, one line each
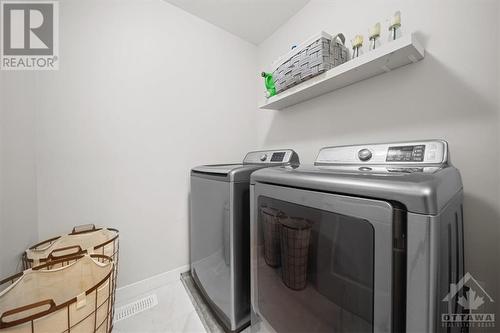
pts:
[278, 157]
[406, 154]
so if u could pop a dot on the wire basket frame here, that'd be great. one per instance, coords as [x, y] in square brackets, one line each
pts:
[86, 239]
[91, 311]
[295, 237]
[271, 231]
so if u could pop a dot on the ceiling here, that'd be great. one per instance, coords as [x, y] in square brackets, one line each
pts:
[252, 20]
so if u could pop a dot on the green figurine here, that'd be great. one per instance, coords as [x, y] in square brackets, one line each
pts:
[269, 83]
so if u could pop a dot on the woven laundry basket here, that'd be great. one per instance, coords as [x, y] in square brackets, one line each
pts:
[83, 239]
[77, 296]
[295, 236]
[271, 231]
[312, 57]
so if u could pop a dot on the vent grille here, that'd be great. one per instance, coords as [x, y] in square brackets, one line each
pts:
[136, 307]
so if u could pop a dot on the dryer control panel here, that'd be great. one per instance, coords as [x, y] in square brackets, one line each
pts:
[420, 152]
[283, 156]
[410, 153]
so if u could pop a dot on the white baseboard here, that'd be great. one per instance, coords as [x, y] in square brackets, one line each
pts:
[139, 288]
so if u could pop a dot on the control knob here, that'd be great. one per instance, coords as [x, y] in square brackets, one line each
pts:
[364, 155]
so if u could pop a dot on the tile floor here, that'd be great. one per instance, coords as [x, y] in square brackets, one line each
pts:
[174, 314]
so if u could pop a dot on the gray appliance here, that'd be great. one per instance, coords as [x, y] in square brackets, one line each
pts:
[375, 241]
[220, 233]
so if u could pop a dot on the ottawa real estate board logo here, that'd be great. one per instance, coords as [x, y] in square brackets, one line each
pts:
[29, 35]
[465, 303]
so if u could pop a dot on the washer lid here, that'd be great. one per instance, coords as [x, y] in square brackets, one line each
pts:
[226, 172]
[222, 169]
[253, 160]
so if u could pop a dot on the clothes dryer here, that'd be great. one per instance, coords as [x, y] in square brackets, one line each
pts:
[370, 240]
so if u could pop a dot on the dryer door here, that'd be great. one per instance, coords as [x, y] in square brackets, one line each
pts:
[320, 262]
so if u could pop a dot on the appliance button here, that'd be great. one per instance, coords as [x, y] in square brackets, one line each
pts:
[364, 154]
[263, 157]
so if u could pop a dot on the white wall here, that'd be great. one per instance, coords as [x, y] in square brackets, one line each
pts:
[145, 91]
[18, 210]
[451, 94]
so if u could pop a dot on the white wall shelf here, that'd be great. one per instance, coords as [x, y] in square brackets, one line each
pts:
[389, 56]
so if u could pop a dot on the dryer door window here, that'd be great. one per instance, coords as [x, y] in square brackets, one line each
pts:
[315, 264]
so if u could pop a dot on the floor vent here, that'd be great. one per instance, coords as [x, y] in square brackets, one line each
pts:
[131, 309]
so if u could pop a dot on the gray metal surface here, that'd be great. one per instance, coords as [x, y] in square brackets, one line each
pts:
[210, 241]
[221, 169]
[435, 259]
[378, 213]
[237, 173]
[219, 233]
[423, 182]
[241, 172]
[422, 179]
[424, 193]
[220, 247]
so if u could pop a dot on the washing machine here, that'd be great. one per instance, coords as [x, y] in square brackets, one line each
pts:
[220, 233]
[370, 239]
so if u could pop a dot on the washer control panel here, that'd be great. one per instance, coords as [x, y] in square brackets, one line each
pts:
[421, 152]
[284, 156]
